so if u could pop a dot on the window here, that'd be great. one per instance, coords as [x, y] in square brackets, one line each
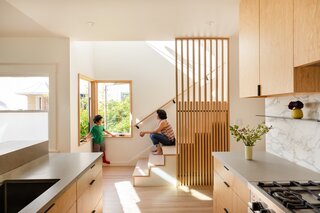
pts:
[84, 106]
[24, 94]
[24, 108]
[114, 105]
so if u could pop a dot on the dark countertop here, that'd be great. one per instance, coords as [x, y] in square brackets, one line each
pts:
[64, 166]
[264, 167]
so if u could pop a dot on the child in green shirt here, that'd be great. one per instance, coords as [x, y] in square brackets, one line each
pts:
[97, 133]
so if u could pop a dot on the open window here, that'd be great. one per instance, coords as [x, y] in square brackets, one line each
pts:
[114, 105]
[85, 106]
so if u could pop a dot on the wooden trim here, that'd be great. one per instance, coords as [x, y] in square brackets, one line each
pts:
[85, 78]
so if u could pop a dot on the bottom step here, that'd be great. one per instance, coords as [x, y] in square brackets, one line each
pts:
[141, 169]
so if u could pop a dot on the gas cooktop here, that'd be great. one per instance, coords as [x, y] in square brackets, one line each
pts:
[302, 196]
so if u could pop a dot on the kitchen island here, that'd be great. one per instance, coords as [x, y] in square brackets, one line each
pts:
[75, 172]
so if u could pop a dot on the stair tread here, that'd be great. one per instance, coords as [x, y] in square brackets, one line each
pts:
[169, 150]
[141, 169]
[156, 160]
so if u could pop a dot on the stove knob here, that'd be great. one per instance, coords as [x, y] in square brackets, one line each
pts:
[256, 206]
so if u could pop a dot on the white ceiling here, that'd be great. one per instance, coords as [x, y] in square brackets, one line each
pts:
[119, 19]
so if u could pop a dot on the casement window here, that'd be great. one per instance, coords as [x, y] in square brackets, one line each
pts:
[85, 109]
[114, 105]
[110, 99]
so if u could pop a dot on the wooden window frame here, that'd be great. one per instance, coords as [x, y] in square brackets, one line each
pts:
[91, 113]
[95, 102]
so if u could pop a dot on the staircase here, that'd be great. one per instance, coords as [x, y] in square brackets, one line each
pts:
[156, 170]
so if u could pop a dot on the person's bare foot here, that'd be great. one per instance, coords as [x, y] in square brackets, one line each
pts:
[157, 152]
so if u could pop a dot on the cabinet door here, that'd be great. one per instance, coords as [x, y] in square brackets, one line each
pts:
[66, 201]
[249, 48]
[306, 31]
[276, 46]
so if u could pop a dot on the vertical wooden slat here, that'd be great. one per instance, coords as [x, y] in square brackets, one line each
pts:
[177, 117]
[211, 114]
[194, 113]
[205, 112]
[222, 97]
[188, 115]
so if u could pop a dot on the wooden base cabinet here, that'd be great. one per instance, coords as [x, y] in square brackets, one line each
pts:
[66, 202]
[89, 189]
[230, 194]
[84, 195]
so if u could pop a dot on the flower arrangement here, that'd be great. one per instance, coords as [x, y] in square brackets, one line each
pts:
[295, 105]
[249, 136]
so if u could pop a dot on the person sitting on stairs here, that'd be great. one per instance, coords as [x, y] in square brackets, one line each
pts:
[163, 134]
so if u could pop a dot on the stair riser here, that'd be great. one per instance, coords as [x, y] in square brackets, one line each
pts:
[160, 175]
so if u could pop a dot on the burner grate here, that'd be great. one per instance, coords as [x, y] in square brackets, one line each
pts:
[294, 194]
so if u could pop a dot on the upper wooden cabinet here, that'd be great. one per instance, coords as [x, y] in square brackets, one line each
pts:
[276, 47]
[306, 32]
[266, 47]
[249, 48]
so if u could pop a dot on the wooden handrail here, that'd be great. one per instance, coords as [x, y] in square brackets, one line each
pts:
[171, 100]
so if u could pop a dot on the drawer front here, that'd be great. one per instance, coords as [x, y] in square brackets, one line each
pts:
[65, 202]
[91, 196]
[222, 193]
[85, 180]
[73, 209]
[224, 172]
[238, 205]
[99, 207]
[241, 189]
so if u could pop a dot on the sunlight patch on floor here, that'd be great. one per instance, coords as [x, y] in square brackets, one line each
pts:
[195, 193]
[165, 176]
[128, 197]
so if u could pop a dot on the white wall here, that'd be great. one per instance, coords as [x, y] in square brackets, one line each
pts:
[153, 84]
[242, 110]
[35, 53]
[81, 61]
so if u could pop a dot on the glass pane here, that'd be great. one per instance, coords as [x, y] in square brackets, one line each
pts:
[84, 107]
[114, 106]
[24, 93]
[24, 105]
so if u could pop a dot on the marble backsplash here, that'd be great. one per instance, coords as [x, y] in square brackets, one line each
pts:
[294, 139]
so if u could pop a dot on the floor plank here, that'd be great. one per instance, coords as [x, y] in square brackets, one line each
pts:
[121, 197]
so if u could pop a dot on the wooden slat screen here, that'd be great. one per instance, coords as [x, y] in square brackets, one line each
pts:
[202, 109]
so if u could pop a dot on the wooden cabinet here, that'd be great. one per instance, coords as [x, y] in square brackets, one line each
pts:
[249, 48]
[66, 202]
[306, 32]
[276, 47]
[272, 41]
[85, 195]
[89, 189]
[230, 193]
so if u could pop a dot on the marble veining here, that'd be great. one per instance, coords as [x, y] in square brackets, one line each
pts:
[295, 140]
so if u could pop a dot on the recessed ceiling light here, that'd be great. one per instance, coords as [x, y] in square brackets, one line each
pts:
[90, 23]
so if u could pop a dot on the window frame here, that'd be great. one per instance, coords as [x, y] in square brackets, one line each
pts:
[96, 102]
[91, 109]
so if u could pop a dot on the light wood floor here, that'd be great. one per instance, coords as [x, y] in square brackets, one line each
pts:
[120, 196]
